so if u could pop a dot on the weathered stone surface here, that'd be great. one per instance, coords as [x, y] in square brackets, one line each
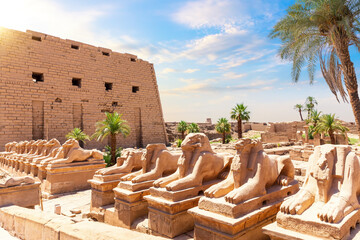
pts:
[327, 205]
[70, 177]
[24, 195]
[274, 194]
[35, 225]
[57, 98]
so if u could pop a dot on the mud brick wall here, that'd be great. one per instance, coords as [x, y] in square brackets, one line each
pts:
[50, 85]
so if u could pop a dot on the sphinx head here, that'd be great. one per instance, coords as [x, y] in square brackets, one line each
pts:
[70, 143]
[323, 160]
[195, 140]
[247, 144]
[52, 142]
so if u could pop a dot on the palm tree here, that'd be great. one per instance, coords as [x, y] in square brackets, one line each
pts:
[193, 128]
[78, 135]
[323, 30]
[223, 126]
[240, 113]
[182, 127]
[314, 117]
[112, 125]
[310, 104]
[328, 124]
[299, 107]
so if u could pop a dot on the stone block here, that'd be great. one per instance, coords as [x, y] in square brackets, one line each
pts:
[23, 195]
[102, 189]
[309, 224]
[62, 178]
[274, 194]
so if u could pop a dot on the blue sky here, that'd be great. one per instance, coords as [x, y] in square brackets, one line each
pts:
[208, 54]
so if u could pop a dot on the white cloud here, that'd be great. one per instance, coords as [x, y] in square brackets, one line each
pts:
[52, 18]
[232, 75]
[172, 70]
[191, 70]
[210, 86]
[205, 13]
[168, 70]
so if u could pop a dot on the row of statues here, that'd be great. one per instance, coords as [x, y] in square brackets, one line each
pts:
[331, 178]
[331, 187]
[246, 175]
[27, 156]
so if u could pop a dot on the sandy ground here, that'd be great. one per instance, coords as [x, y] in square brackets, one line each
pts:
[5, 235]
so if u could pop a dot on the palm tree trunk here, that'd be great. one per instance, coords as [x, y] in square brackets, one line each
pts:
[301, 117]
[347, 66]
[113, 148]
[332, 137]
[240, 128]
[223, 137]
[182, 135]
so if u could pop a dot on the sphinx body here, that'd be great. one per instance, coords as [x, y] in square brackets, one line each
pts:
[156, 161]
[197, 164]
[6, 180]
[130, 159]
[50, 146]
[332, 177]
[74, 153]
[252, 171]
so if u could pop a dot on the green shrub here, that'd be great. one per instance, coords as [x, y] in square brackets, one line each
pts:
[178, 142]
[228, 138]
[107, 155]
[256, 136]
[353, 141]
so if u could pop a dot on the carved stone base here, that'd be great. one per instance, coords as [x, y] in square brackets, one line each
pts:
[274, 194]
[129, 202]
[210, 225]
[62, 178]
[23, 195]
[169, 218]
[41, 172]
[27, 167]
[33, 170]
[168, 214]
[217, 219]
[21, 166]
[310, 226]
[102, 186]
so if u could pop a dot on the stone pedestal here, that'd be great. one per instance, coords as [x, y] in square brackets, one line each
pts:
[217, 219]
[23, 195]
[309, 226]
[21, 166]
[102, 186]
[41, 172]
[129, 202]
[27, 167]
[168, 214]
[33, 169]
[69, 177]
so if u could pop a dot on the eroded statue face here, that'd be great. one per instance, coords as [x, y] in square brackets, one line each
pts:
[192, 141]
[322, 170]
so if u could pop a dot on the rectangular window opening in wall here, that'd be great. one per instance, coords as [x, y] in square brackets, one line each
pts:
[105, 53]
[36, 38]
[108, 86]
[37, 77]
[114, 104]
[76, 82]
[133, 59]
[135, 89]
[73, 46]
